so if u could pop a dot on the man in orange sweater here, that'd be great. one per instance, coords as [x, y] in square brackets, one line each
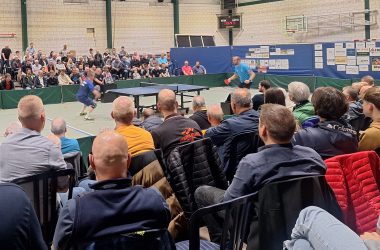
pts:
[138, 139]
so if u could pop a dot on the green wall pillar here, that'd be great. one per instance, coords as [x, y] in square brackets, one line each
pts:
[367, 19]
[176, 17]
[24, 25]
[109, 23]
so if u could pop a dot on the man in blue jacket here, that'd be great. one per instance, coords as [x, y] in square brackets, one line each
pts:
[114, 207]
[246, 119]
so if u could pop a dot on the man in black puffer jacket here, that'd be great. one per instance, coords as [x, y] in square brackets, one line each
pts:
[332, 135]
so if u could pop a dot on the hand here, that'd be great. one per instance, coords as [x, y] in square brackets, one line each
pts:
[370, 236]
[247, 81]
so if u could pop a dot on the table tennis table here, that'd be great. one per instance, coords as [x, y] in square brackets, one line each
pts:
[152, 89]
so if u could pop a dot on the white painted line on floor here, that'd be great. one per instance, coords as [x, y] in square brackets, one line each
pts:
[73, 128]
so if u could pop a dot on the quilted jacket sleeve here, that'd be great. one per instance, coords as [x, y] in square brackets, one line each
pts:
[335, 178]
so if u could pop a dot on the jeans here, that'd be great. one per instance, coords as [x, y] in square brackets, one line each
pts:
[317, 229]
[206, 196]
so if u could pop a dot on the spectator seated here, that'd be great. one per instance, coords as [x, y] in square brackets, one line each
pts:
[122, 210]
[277, 160]
[299, 93]
[370, 138]
[175, 129]
[200, 112]
[20, 228]
[246, 120]
[151, 121]
[332, 135]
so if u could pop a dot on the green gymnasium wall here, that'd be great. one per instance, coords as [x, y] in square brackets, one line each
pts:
[60, 94]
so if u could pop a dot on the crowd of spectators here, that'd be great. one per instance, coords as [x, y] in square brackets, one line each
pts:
[293, 147]
[37, 69]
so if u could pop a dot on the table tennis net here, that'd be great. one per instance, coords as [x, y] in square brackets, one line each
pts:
[173, 87]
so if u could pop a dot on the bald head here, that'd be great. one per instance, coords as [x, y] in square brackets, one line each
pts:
[112, 161]
[58, 127]
[199, 103]
[167, 102]
[31, 112]
[123, 110]
[148, 112]
[241, 97]
[215, 115]
[369, 80]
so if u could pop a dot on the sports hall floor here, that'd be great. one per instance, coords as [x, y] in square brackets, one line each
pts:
[78, 127]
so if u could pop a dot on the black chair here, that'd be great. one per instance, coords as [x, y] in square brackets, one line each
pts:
[226, 108]
[234, 226]
[42, 191]
[139, 161]
[263, 220]
[241, 145]
[148, 240]
[75, 159]
[278, 207]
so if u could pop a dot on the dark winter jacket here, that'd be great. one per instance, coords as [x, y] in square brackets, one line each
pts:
[328, 138]
[193, 165]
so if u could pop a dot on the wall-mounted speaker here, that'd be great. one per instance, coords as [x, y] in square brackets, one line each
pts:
[228, 4]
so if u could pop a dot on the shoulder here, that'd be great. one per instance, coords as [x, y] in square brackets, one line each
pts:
[306, 150]
[258, 96]
[370, 134]
[142, 131]
[308, 134]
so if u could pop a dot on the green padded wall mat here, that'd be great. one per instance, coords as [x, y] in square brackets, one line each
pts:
[69, 92]
[51, 95]
[332, 82]
[283, 81]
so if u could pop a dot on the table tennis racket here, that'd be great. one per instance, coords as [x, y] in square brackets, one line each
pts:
[227, 82]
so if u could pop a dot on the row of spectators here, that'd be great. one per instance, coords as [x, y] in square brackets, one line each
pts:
[37, 70]
[296, 143]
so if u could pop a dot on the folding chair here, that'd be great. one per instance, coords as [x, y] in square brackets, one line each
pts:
[42, 191]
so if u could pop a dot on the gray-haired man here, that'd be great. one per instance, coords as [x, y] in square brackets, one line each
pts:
[58, 128]
[200, 112]
[246, 119]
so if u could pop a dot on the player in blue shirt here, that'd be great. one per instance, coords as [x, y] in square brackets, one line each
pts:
[83, 95]
[242, 72]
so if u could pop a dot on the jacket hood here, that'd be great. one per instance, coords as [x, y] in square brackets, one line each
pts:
[338, 126]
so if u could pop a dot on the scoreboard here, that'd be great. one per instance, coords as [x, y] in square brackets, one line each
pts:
[229, 22]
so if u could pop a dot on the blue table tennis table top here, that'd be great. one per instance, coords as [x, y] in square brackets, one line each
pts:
[155, 89]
